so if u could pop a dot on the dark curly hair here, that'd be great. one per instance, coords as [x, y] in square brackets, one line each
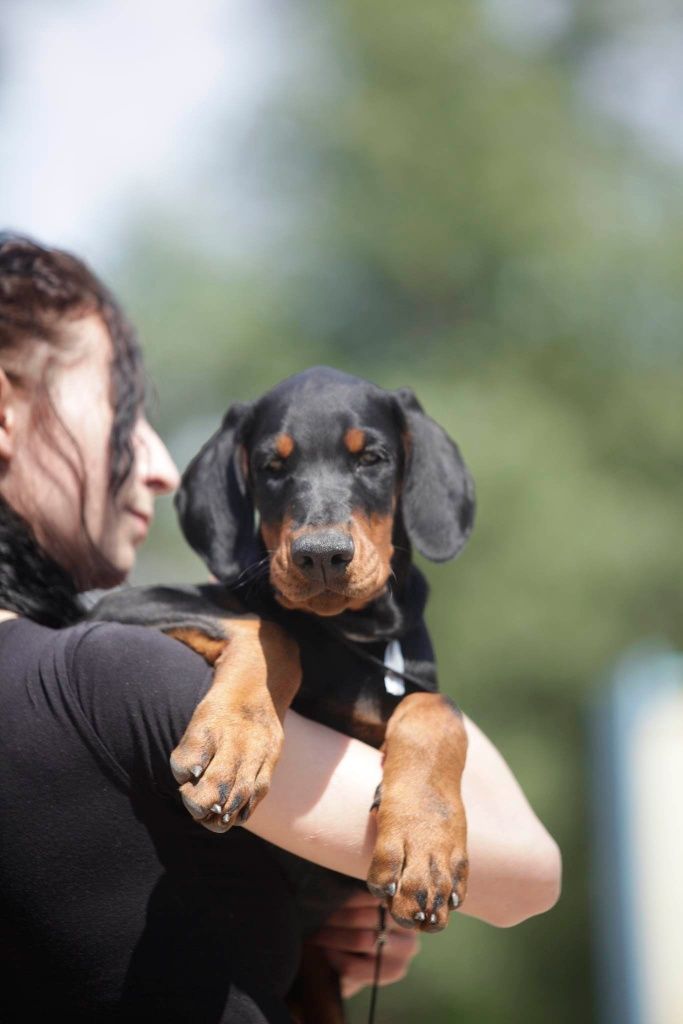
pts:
[42, 291]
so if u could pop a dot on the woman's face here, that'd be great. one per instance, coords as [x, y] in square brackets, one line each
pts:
[57, 476]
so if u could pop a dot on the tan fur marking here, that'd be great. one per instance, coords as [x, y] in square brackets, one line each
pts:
[284, 445]
[365, 577]
[276, 536]
[371, 567]
[210, 649]
[270, 532]
[378, 530]
[354, 439]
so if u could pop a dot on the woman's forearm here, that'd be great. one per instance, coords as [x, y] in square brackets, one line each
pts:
[515, 865]
[318, 805]
[318, 808]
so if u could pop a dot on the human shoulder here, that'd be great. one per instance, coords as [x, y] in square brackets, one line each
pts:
[137, 690]
[125, 657]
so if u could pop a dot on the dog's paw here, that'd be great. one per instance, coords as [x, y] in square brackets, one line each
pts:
[225, 761]
[419, 868]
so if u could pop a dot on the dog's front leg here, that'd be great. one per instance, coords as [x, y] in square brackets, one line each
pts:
[419, 865]
[225, 760]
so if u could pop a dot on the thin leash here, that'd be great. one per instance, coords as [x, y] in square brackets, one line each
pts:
[379, 948]
[358, 649]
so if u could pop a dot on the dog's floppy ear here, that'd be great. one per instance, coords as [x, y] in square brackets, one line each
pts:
[214, 506]
[438, 492]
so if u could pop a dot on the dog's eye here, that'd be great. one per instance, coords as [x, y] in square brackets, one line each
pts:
[369, 458]
[274, 465]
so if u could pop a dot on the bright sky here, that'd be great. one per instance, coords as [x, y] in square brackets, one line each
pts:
[109, 107]
[106, 105]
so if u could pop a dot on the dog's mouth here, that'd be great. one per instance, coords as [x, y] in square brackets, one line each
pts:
[332, 571]
[328, 601]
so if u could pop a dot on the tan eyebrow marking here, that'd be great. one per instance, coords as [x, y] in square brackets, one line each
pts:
[354, 439]
[284, 445]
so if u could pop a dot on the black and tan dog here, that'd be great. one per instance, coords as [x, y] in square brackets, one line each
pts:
[304, 505]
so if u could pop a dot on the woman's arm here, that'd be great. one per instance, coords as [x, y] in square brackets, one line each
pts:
[319, 801]
[515, 865]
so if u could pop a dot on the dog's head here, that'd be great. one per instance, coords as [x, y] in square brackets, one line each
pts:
[316, 476]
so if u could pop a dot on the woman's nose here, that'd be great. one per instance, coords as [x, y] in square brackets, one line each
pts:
[155, 467]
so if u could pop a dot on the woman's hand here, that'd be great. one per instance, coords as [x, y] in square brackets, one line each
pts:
[349, 939]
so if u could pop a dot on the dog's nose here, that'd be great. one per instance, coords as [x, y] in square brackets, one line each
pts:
[323, 554]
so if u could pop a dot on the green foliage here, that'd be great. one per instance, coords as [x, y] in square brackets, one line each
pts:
[462, 222]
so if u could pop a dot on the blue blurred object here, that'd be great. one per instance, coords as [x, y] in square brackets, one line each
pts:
[646, 685]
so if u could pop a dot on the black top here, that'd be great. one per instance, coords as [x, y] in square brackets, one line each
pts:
[114, 904]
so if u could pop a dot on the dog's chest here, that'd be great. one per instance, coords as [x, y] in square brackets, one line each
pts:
[343, 690]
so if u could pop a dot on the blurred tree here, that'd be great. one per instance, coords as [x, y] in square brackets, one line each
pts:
[459, 219]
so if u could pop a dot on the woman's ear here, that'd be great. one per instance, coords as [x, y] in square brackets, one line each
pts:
[437, 498]
[213, 502]
[7, 418]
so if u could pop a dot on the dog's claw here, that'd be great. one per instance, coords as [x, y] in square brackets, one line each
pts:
[196, 771]
[216, 808]
[423, 876]
[233, 806]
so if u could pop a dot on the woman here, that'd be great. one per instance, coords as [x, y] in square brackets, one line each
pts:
[115, 904]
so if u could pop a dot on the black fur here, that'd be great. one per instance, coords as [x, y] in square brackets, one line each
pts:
[214, 505]
[438, 492]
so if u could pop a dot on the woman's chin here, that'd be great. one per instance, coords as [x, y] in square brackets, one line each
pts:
[107, 569]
